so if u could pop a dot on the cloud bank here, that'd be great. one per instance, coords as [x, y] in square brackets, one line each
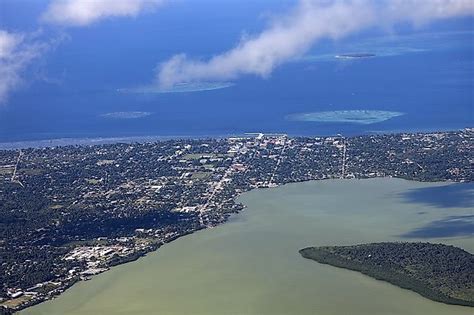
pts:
[85, 12]
[17, 52]
[292, 35]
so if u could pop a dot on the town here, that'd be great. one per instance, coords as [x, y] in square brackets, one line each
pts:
[70, 212]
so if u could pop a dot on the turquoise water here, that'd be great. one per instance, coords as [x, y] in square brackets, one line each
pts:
[361, 116]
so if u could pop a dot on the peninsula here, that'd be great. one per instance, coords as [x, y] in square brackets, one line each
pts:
[439, 272]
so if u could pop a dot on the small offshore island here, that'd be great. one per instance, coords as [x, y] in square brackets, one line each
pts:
[355, 56]
[439, 272]
[125, 115]
[185, 87]
[359, 116]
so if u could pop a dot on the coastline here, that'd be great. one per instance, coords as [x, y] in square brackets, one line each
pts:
[326, 256]
[225, 217]
[238, 199]
[98, 140]
[91, 141]
[66, 141]
[73, 281]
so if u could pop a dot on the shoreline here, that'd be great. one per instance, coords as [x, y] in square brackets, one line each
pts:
[91, 141]
[73, 281]
[325, 256]
[227, 219]
[85, 141]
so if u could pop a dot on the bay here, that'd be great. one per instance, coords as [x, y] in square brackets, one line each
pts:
[251, 264]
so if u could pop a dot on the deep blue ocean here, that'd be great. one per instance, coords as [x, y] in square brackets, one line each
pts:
[425, 72]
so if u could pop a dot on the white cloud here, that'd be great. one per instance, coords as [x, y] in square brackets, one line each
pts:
[17, 52]
[85, 12]
[8, 42]
[293, 35]
[420, 11]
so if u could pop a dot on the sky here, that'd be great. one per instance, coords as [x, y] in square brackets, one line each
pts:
[286, 32]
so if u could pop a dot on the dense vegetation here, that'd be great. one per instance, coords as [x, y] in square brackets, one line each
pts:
[439, 272]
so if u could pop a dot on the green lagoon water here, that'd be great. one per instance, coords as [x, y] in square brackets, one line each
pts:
[251, 264]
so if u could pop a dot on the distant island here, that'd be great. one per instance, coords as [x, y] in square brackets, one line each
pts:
[438, 272]
[358, 116]
[355, 56]
[126, 115]
[185, 87]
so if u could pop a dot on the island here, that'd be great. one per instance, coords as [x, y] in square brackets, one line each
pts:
[70, 212]
[359, 116]
[125, 115]
[438, 272]
[355, 56]
[184, 87]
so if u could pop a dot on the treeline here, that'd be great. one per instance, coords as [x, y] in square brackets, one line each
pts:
[439, 272]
